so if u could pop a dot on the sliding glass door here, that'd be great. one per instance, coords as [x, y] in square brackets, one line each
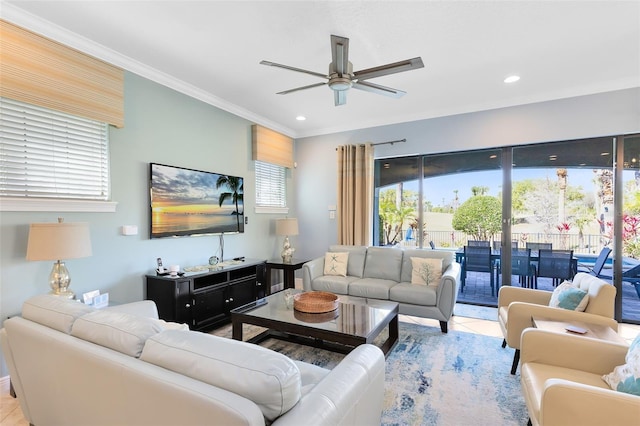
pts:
[561, 194]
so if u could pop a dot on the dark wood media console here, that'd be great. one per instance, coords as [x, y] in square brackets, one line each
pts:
[203, 300]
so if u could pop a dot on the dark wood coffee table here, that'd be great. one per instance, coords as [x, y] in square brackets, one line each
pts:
[355, 322]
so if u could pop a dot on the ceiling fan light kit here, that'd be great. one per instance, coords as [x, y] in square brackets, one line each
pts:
[341, 77]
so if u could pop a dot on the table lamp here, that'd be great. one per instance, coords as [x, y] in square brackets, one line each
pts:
[286, 227]
[57, 241]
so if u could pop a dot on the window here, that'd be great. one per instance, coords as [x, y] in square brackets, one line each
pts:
[47, 154]
[270, 186]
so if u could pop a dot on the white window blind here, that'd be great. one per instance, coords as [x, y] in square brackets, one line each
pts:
[270, 185]
[49, 154]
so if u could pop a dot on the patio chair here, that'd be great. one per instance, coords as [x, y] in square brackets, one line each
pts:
[477, 259]
[478, 243]
[538, 246]
[598, 265]
[631, 276]
[497, 245]
[555, 264]
[521, 266]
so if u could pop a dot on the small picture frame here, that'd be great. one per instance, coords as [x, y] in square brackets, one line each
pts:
[101, 301]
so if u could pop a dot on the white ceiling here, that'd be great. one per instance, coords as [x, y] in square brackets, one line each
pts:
[212, 49]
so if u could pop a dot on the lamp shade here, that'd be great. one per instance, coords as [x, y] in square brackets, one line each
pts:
[58, 241]
[288, 226]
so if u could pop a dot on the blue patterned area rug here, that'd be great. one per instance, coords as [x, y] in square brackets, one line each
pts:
[432, 378]
[474, 311]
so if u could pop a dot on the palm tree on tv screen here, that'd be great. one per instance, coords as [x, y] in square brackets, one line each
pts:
[234, 184]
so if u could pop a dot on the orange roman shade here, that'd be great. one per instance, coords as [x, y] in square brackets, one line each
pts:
[40, 71]
[272, 147]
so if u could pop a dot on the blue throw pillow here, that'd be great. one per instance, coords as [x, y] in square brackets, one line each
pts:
[568, 296]
[626, 377]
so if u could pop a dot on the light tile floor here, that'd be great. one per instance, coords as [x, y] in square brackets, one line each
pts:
[11, 414]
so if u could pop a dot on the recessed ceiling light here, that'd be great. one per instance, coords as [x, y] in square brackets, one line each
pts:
[512, 79]
[492, 156]
[301, 118]
[604, 154]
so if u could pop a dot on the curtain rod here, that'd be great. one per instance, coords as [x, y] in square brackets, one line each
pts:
[384, 143]
[390, 142]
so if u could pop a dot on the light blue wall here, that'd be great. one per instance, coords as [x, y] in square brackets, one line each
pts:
[611, 113]
[161, 126]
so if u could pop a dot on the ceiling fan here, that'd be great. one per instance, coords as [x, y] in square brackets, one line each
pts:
[341, 76]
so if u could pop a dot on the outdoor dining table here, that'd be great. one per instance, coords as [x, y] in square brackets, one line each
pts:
[495, 256]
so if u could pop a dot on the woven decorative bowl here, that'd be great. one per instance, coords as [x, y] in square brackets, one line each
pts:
[315, 302]
[315, 318]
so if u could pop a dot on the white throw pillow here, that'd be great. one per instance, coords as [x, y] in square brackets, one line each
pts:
[568, 296]
[626, 377]
[335, 263]
[426, 271]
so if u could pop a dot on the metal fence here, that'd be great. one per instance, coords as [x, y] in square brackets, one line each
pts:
[585, 244]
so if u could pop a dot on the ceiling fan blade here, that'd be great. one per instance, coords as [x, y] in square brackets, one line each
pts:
[301, 88]
[340, 54]
[406, 65]
[340, 97]
[376, 88]
[287, 67]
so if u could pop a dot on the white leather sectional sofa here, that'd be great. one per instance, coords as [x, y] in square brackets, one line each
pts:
[71, 364]
[385, 273]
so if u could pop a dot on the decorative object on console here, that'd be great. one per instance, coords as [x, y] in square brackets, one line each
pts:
[315, 302]
[285, 228]
[57, 241]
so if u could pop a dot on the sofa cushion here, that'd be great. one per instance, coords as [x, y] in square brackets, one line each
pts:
[383, 263]
[407, 268]
[269, 379]
[568, 296]
[120, 331]
[426, 271]
[54, 311]
[626, 377]
[413, 294]
[333, 283]
[335, 263]
[357, 254]
[374, 288]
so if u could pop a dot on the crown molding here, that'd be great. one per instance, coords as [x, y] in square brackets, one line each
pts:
[20, 17]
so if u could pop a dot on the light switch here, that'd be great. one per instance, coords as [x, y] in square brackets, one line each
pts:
[332, 214]
[129, 230]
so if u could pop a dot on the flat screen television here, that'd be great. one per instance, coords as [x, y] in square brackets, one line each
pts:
[194, 202]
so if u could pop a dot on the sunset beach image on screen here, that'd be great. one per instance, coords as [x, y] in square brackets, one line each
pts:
[193, 202]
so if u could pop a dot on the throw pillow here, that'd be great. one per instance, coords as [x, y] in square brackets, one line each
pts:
[568, 296]
[426, 271]
[626, 377]
[335, 263]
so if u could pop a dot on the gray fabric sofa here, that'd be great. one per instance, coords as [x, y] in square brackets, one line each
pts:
[384, 273]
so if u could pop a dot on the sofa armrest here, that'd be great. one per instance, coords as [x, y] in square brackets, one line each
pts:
[352, 393]
[508, 294]
[568, 351]
[144, 308]
[310, 271]
[519, 317]
[447, 291]
[565, 402]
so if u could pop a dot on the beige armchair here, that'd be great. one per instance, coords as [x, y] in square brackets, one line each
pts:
[561, 379]
[516, 306]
